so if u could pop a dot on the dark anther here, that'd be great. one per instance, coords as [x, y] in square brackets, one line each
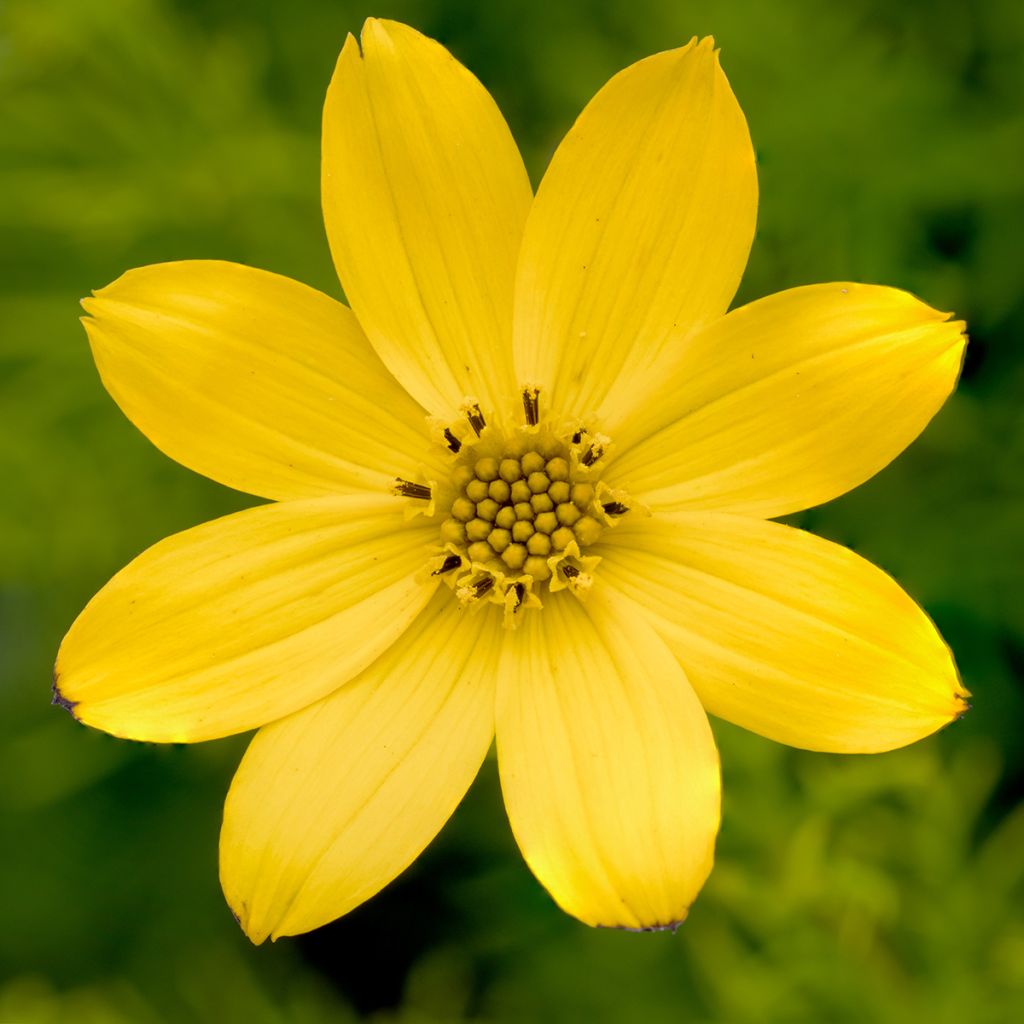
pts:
[531, 405]
[407, 489]
[482, 584]
[592, 454]
[571, 572]
[520, 592]
[476, 419]
[453, 442]
[578, 436]
[615, 508]
[451, 562]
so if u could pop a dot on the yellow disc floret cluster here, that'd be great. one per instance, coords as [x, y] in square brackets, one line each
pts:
[520, 509]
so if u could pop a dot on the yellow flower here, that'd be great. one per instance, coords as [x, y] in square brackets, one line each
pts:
[523, 489]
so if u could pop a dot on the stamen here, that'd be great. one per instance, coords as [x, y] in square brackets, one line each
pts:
[481, 585]
[451, 562]
[572, 569]
[592, 454]
[453, 442]
[615, 508]
[531, 405]
[407, 489]
[476, 418]
[578, 435]
[519, 589]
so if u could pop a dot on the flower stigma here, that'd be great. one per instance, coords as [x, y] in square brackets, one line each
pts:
[521, 509]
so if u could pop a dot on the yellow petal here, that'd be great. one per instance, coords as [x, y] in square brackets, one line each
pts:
[791, 401]
[331, 803]
[242, 620]
[253, 380]
[639, 233]
[424, 196]
[787, 634]
[608, 766]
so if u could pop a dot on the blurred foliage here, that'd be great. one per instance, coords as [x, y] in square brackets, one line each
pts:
[890, 139]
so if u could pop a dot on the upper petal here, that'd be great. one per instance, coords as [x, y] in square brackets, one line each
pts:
[331, 803]
[791, 401]
[608, 766]
[253, 380]
[424, 196]
[787, 634]
[239, 621]
[638, 235]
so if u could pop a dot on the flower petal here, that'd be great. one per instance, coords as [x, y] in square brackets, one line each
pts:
[331, 803]
[791, 401]
[608, 765]
[242, 620]
[424, 196]
[638, 235]
[786, 634]
[253, 379]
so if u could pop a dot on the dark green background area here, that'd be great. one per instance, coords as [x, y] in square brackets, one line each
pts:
[890, 139]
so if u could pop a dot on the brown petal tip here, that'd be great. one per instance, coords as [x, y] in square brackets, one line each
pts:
[670, 926]
[60, 700]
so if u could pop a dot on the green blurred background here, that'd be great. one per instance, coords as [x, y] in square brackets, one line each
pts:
[891, 144]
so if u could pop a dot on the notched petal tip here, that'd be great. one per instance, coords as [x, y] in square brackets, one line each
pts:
[59, 700]
[385, 38]
[242, 920]
[350, 50]
[700, 49]
[669, 926]
[694, 47]
[960, 326]
[961, 705]
[93, 305]
[384, 30]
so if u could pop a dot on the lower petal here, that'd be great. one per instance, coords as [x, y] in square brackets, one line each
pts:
[237, 622]
[331, 803]
[786, 634]
[608, 766]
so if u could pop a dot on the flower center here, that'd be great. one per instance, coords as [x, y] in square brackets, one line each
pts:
[521, 509]
[521, 504]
